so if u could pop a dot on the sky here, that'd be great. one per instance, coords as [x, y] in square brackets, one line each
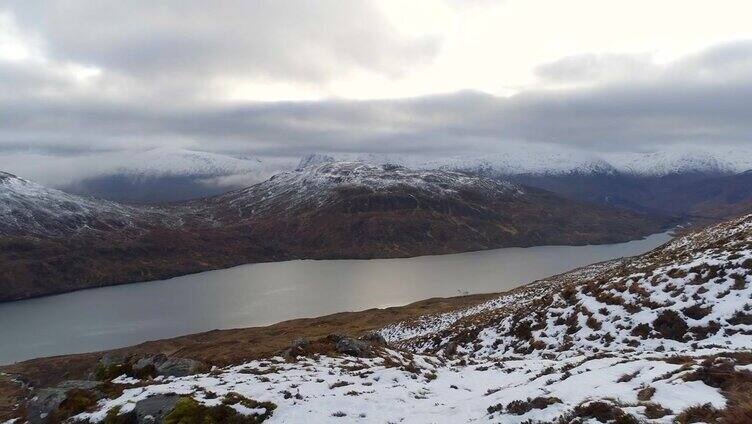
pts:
[284, 78]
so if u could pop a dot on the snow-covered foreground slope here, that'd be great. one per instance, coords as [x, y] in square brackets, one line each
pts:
[663, 337]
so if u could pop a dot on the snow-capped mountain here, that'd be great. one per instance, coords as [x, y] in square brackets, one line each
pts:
[515, 160]
[686, 161]
[538, 160]
[29, 209]
[664, 337]
[320, 182]
[696, 184]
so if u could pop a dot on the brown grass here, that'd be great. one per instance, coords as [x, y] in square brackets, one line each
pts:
[11, 392]
[670, 325]
[646, 394]
[698, 414]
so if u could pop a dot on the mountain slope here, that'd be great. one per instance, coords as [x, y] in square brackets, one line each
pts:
[669, 182]
[29, 209]
[330, 210]
[659, 338]
[360, 210]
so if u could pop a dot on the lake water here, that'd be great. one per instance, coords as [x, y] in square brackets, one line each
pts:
[261, 294]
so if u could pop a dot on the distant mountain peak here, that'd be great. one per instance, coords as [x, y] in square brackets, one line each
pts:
[538, 160]
[313, 159]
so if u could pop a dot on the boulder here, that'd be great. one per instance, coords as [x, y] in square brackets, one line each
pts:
[179, 367]
[297, 348]
[353, 347]
[47, 400]
[44, 402]
[167, 366]
[153, 409]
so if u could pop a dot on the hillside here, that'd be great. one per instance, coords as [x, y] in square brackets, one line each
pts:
[30, 209]
[360, 210]
[54, 242]
[662, 337]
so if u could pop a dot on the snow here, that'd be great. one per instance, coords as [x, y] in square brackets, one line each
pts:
[512, 159]
[531, 159]
[416, 380]
[676, 161]
[31, 209]
[432, 393]
[318, 183]
[177, 162]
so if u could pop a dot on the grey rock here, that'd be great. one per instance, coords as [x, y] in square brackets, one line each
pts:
[171, 367]
[353, 347]
[179, 367]
[47, 400]
[43, 403]
[150, 361]
[154, 408]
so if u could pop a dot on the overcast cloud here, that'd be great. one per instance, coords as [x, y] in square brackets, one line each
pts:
[78, 77]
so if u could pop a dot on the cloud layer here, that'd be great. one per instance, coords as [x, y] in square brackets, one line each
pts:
[81, 77]
[698, 99]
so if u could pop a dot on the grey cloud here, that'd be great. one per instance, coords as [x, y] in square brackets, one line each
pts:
[629, 115]
[723, 63]
[597, 67]
[192, 41]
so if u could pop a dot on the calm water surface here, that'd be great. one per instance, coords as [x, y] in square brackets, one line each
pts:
[260, 294]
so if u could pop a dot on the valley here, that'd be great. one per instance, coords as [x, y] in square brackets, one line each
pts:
[375, 212]
[54, 242]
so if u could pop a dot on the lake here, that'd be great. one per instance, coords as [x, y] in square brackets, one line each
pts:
[261, 294]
